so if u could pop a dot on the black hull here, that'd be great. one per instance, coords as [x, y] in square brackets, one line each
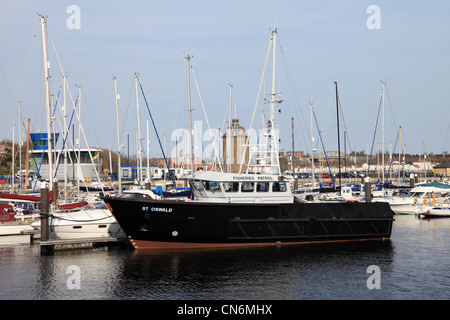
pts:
[163, 224]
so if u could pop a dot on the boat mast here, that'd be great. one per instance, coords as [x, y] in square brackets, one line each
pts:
[274, 161]
[28, 150]
[148, 153]
[118, 137]
[64, 110]
[399, 152]
[191, 144]
[20, 147]
[79, 143]
[229, 144]
[13, 161]
[312, 146]
[339, 142]
[139, 150]
[292, 157]
[382, 136]
[47, 101]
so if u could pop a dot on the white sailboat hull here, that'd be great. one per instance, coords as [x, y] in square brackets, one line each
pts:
[91, 223]
[14, 228]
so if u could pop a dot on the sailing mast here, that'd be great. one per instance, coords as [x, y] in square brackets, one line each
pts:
[339, 143]
[20, 147]
[28, 149]
[312, 147]
[148, 154]
[79, 171]
[118, 137]
[64, 110]
[382, 134]
[47, 101]
[13, 161]
[229, 135]
[191, 144]
[139, 150]
[273, 143]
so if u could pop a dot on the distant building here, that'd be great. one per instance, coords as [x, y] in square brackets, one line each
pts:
[88, 163]
[442, 169]
[297, 154]
[2, 148]
[235, 148]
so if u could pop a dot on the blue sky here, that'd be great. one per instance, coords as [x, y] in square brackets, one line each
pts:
[322, 42]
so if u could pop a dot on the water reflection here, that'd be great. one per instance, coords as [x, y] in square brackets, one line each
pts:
[285, 272]
[414, 264]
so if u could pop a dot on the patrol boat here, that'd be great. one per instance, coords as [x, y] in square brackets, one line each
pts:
[235, 210]
[256, 208]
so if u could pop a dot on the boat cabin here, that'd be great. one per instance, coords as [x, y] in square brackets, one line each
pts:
[430, 192]
[242, 188]
[6, 213]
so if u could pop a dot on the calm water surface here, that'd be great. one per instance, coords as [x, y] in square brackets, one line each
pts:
[414, 264]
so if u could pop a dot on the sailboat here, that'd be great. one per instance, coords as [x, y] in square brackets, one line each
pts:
[246, 209]
[73, 221]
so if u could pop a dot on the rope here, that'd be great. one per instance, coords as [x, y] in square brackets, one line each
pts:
[60, 218]
[257, 99]
[73, 104]
[157, 135]
[207, 122]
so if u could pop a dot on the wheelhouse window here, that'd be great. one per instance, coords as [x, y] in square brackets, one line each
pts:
[279, 187]
[262, 187]
[211, 186]
[198, 185]
[231, 186]
[247, 187]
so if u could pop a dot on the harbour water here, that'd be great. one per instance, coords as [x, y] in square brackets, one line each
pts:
[414, 264]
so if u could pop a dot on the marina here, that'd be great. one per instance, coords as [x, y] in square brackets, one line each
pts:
[413, 266]
[248, 199]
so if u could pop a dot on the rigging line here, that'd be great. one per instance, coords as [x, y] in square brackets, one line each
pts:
[128, 108]
[323, 148]
[177, 103]
[216, 154]
[390, 106]
[157, 135]
[374, 134]
[73, 220]
[445, 135]
[25, 71]
[64, 146]
[9, 89]
[76, 112]
[85, 103]
[347, 137]
[390, 163]
[257, 100]
[295, 95]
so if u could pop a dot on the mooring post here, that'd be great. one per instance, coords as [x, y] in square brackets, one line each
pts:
[368, 189]
[55, 191]
[44, 213]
